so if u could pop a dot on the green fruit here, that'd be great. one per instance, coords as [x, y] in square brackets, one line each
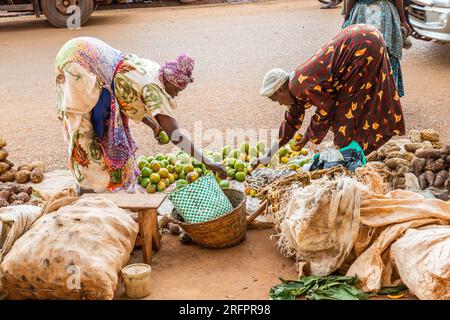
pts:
[155, 166]
[231, 173]
[175, 176]
[234, 153]
[240, 176]
[161, 186]
[182, 176]
[239, 166]
[217, 157]
[163, 173]
[253, 152]
[283, 152]
[192, 176]
[150, 159]
[224, 184]
[166, 163]
[244, 147]
[199, 171]
[142, 163]
[196, 163]
[163, 137]
[170, 168]
[181, 183]
[184, 159]
[204, 168]
[171, 158]
[145, 182]
[139, 179]
[178, 167]
[188, 168]
[260, 146]
[146, 172]
[151, 188]
[180, 152]
[171, 178]
[226, 150]
[155, 178]
[229, 168]
[230, 162]
[160, 157]
[166, 182]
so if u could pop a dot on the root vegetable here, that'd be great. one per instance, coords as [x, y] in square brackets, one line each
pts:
[394, 163]
[3, 166]
[39, 165]
[436, 166]
[23, 176]
[430, 176]
[27, 189]
[423, 183]
[441, 177]
[413, 147]
[401, 154]
[414, 136]
[418, 165]
[387, 148]
[2, 142]
[444, 196]
[373, 156]
[23, 196]
[428, 153]
[446, 150]
[447, 184]
[437, 145]
[3, 203]
[25, 166]
[3, 154]
[17, 203]
[447, 159]
[398, 181]
[430, 135]
[8, 176]
[4, 195]
[174, 228]
[37, 175]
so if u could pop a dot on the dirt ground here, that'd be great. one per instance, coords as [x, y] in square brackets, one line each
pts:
[234, 45]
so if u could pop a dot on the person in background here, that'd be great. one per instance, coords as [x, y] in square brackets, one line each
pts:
[98, 90]
[350, 83]
[388, 16]
[332, 4]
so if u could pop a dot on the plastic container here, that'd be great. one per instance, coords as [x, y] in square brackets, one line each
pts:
[137, 280]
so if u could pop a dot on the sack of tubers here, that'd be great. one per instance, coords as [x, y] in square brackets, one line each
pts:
[33, 172]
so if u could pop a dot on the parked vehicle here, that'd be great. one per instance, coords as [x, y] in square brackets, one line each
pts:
[431, 19]
[57, 12]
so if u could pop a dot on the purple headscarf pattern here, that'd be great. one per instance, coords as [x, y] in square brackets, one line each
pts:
[178, 71]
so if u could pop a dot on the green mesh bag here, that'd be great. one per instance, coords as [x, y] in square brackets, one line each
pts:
[202, 200]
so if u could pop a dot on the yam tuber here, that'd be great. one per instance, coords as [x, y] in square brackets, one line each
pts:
[23, 176]
[415, 136]
[413, 147]
[428, 153]
[436, 166]
[3, 154]
[3, 166]
[418, 166]
[401, 154]
[4, 195]
[430, 176]
[446, 150]
[437, 145]
[3, 203]
[373, 156]
[25, 166]
[17, 203]
[27, 189]
[423, 183]
[9, 163]
[2, 142]
[8, 176]
[394, 163]
[23, 196]
[38, 165]
[444, 196]
[447, 159]
[441, 177]
[37, 175]
[430, 135]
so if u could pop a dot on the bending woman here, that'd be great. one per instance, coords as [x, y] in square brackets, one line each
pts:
[98, 89]
[350, 83]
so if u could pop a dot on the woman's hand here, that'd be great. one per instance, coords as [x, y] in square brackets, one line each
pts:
[405, 25]
[217, 168]
[302, 143]
[264, 160]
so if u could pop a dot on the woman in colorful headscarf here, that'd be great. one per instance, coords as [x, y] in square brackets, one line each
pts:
[388, 16]
[98, 90]
[350, 83]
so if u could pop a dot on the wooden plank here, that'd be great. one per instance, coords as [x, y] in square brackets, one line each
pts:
[16, 7]
[145, 232]
[135, 201]
[154, 229]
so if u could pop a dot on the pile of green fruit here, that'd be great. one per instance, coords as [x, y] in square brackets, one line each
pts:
[159, 172]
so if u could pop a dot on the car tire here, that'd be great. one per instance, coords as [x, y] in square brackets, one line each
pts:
[55, 16]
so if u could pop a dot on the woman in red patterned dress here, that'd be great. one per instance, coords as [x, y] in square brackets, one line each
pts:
[350, 82]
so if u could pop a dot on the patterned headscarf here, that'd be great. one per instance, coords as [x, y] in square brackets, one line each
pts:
[178, 71]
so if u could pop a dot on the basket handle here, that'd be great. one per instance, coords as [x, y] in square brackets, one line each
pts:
[258, 211]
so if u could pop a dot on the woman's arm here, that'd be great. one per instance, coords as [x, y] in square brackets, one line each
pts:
[151, 124]
[171, 127]
[401, 12]
[348, 8]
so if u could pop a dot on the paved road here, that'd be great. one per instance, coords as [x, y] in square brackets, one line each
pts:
[234, 45]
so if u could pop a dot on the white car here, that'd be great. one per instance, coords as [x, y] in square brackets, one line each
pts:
[431, 19]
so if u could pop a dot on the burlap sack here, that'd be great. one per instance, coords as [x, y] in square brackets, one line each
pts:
[75, 252]
[422, 257]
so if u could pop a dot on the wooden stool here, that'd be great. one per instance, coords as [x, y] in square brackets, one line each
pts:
[146, 206]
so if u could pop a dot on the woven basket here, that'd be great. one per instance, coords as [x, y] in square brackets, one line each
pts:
[223, 232]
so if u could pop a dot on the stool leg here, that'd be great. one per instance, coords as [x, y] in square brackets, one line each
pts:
[156, 240]
[146, 234]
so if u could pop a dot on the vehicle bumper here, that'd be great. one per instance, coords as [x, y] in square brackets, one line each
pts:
[430, 22]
